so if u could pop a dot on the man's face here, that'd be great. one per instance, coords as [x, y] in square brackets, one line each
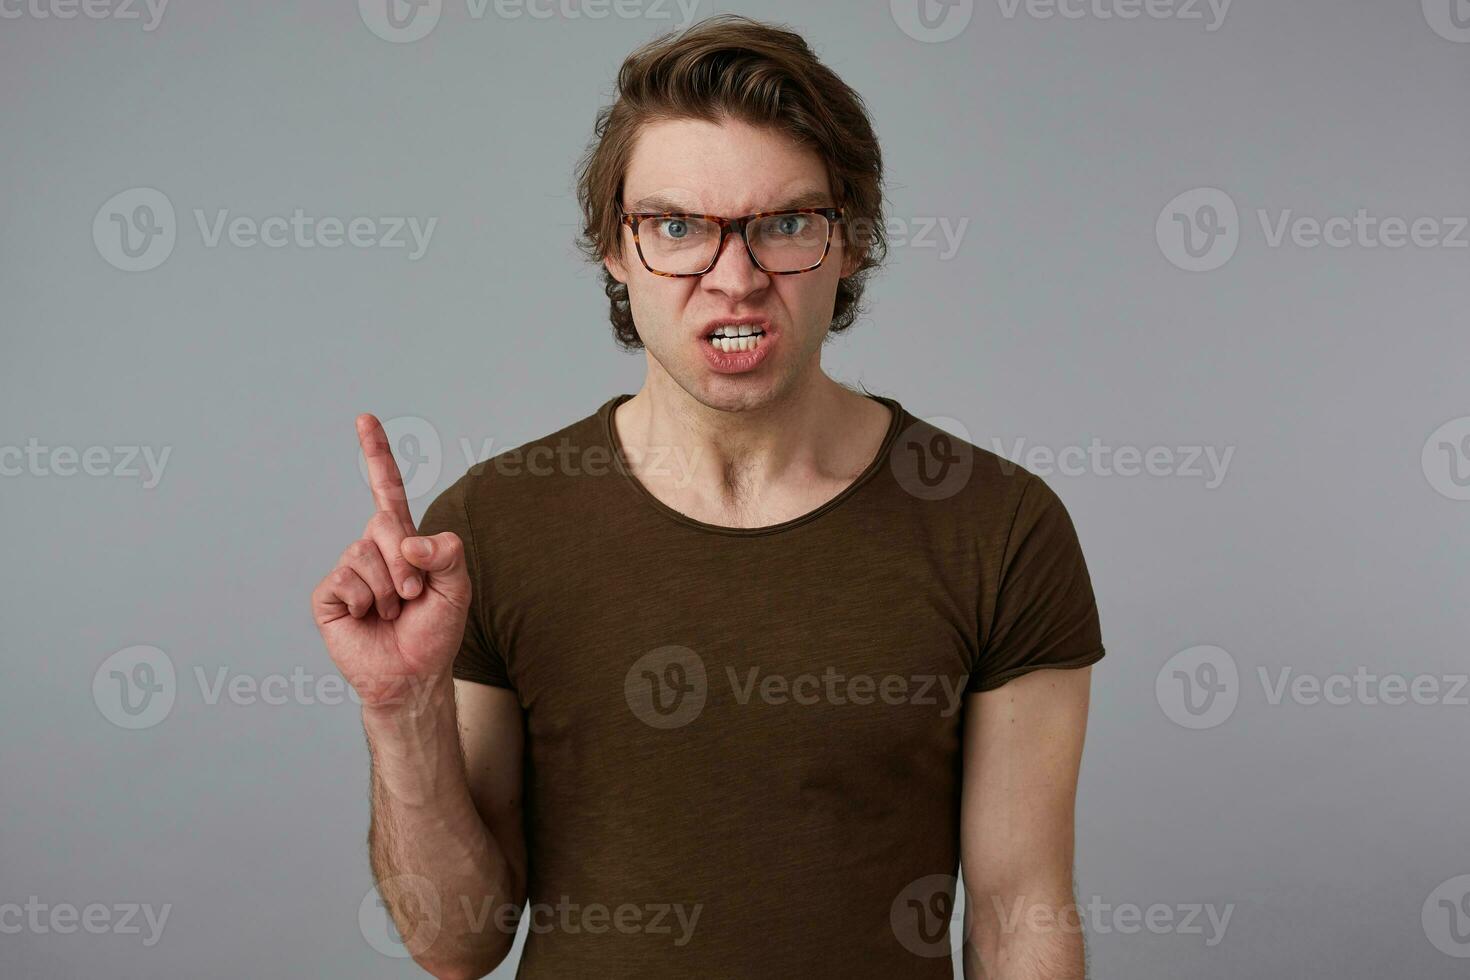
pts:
[728, 169]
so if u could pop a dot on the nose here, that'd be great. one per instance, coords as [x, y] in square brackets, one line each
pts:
[734, 273]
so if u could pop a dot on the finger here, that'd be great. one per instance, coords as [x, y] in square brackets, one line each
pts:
[383, 475]
[387, 532]
[442, 557]
[364, 558]
[341, 590]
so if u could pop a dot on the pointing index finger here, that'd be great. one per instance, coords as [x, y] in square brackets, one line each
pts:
[383, 475]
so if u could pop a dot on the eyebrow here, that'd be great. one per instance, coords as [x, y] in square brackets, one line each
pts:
[804, 199]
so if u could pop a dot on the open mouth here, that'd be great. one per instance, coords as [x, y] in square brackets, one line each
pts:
[735, 339]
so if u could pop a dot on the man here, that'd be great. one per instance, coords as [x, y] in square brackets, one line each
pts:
[727, 677]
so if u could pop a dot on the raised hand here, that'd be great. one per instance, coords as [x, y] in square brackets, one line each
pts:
[392, 612]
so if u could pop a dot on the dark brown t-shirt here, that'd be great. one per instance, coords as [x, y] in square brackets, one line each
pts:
[743, 751]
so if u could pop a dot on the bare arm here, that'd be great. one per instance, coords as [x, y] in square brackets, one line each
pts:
[1022, 751]
[446, 842]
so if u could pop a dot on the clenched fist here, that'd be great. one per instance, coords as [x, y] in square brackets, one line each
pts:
[392, 612]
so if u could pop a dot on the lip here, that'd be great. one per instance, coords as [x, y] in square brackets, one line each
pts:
[741, 361]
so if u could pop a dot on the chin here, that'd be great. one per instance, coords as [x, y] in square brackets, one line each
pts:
[735, 394]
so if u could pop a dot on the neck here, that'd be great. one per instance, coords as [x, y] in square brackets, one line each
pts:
[817, 430]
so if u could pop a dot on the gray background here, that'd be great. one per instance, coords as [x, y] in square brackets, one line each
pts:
[1324, 829]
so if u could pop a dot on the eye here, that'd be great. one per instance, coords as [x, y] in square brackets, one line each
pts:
[791, 224]
[675, 229]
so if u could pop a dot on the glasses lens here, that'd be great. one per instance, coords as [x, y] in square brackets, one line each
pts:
[678, 245]
[788, 242]
[781, 242]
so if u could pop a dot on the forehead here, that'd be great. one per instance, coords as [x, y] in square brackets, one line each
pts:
[729, 167]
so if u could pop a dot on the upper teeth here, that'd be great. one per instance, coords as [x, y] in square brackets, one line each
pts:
[743, 330]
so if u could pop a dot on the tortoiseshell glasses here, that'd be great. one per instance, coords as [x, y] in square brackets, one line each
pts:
[781, 243]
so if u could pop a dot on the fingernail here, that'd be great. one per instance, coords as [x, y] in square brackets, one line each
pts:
[420, 547]
[411, 586]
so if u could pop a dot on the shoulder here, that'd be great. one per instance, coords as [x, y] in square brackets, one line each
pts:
[938, 462]
[524, 480]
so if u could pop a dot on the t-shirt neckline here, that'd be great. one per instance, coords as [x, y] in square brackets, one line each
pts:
[615, 447]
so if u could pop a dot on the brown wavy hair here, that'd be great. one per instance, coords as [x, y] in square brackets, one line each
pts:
[730, 66]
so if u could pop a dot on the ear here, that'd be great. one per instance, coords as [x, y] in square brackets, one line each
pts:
[615, 268]
[613, 261]
[852, 258]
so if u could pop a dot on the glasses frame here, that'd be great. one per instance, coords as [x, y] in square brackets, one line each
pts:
[728, 226]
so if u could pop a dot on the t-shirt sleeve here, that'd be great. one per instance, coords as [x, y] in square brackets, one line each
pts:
[478, 659]
[1044, 612]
